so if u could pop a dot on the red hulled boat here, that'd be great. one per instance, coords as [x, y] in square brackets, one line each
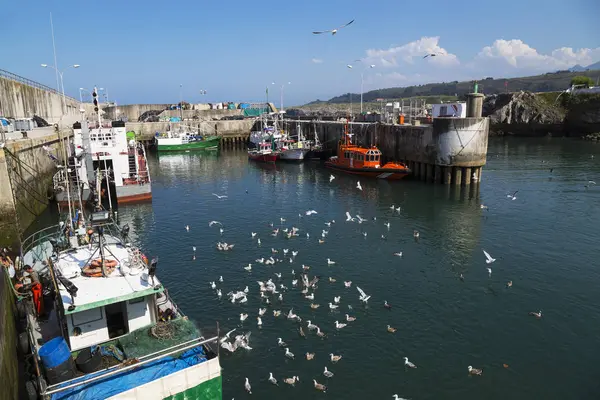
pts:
[264, 152]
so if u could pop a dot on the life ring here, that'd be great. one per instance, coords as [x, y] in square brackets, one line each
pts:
[144, 259]
[97, 263]
[95, 271]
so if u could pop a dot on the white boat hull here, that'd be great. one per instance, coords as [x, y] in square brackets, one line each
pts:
[294, 154]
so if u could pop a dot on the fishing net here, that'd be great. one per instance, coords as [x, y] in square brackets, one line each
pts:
[159, 336]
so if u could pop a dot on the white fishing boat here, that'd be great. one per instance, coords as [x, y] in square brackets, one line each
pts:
[294, 150]
[103, 148]
[99, 324]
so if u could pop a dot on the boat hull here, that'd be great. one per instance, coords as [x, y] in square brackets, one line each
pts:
[263, 157]
[208, 144]
[377, 173]
[294, 154]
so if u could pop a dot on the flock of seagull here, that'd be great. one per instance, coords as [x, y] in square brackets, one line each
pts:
[272, 292]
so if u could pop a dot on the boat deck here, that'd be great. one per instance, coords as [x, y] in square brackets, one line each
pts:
[125, 282]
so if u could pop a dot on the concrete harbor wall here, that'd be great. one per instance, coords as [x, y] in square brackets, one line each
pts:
[22, 98]
[26, 172]
[132, 111]
[229, 129]
[444, 152]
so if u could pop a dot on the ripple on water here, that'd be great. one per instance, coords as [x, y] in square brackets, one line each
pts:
[544, 242]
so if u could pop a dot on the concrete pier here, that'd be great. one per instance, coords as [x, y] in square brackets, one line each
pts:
[26, 172]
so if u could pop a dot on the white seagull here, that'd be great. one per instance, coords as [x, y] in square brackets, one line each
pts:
[358, 186]
[408, 363]
[512, 196]
[489, 258]
[327, 373]
[339, 325]
[288, 353]
[272, 379]
[311, 212]
[349, 217]
[348, 283]
[187, 228]
[220, 197]
[247, 386]
[363, 296]
[211, 223]
[333, 32]
[331, 178]
[329, 262]
[489, 270]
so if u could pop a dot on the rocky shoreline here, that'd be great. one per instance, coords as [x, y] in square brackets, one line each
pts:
[543, 114]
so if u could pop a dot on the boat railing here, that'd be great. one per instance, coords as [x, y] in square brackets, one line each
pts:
[39, 237]
[143, 360]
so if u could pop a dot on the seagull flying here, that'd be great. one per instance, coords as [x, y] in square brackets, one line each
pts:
[331, 178]
[489, 258]
[363, 296]
[429, 55]
[220, 197]
[512, 196]
[358, 186]
[211, 223]
[333, 31]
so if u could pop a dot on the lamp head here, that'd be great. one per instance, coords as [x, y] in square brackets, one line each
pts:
[44, 65]
[76, 65]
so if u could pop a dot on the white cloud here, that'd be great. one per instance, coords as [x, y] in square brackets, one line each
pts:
[503, 58]
[408, 52]
[520, 57]
[317, 61]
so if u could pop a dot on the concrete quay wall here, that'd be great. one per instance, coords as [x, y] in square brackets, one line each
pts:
[26, 173]
[239, 129]
[445, 151]
[21, 100]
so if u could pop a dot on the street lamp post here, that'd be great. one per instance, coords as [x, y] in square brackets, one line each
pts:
[64, 101]
[362, 75]
[281, 94]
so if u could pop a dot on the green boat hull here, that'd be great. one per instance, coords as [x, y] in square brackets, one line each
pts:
[209, 390]
[211, 143]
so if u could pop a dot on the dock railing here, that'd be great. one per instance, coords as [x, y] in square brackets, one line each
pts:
[29, 82]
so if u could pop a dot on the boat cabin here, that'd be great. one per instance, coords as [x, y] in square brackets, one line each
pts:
[359, 157]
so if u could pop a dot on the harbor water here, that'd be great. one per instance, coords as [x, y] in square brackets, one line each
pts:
[545, 241]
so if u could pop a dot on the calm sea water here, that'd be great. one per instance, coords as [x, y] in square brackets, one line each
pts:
[545, 242]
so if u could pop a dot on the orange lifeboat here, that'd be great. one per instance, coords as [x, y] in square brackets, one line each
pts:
[364, 161]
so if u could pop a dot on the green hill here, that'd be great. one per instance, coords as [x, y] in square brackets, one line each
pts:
[549, 82]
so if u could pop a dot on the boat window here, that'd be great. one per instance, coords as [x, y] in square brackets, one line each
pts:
[376, 158]
[86, 316]
[116, 319]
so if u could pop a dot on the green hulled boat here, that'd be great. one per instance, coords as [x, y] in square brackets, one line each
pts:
[173, 141]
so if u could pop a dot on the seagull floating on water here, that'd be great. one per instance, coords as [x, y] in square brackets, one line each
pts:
[327, 373]
[281, 343]
[334, 359]
[391, 330]
[329, 262]
[310, 356]
[348, 283]
[489, 270]
[187, 228]
[248, 387]
[512, 196]
[332, 306]
[211, 223]
[358, 186]
[272, 379]
[331, 178]
[288, 353]
[398, 254]
[333, 32]
[386, 305]
[319, 386]
[536, 314]
[350, 319]
[291, 381]
[408, 363]
[475, 371]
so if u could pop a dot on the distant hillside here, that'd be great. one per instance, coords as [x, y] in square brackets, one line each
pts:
[550, 82]
[579, 68]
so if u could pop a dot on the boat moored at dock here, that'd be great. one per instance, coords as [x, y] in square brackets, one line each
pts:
[265, 152]
[364, 161]
[105, 326]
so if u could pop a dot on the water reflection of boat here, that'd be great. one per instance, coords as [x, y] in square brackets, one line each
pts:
[363, 161]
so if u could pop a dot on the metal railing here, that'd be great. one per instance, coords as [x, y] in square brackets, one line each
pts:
[29, 82]
[60, 387]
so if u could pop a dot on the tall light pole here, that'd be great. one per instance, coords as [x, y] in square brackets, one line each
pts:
[362, 76]
[64, 101]
[281, 94]
[350, 67]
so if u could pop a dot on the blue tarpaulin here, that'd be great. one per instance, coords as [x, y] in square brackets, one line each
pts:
[124, 381]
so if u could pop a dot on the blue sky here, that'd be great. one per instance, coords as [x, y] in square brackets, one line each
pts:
[141, 51]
